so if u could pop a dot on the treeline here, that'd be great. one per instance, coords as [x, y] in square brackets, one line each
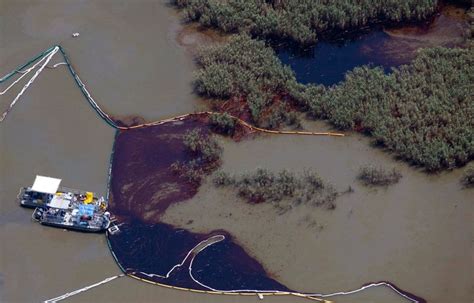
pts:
[423, 112]
[300, 20]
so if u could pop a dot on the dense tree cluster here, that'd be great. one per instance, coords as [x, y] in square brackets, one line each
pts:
[422, 111]
[300, 20]
[284, 189]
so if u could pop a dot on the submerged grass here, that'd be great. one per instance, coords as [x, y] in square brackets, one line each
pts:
[284, 189]
[377, 176]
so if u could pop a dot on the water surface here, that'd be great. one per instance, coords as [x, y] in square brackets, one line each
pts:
[127, 56]
[416, 234]
[328, 61]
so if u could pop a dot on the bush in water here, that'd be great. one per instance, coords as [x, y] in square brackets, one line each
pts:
[284, 189]
[222, 123]
[205, 152]
[203, 146]
[376, 176]
[468, 178]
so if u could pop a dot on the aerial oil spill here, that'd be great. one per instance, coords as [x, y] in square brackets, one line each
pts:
[225, 266]
[143, 186]
[163, 254]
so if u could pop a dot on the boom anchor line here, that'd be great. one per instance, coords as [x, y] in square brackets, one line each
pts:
[42, 61]
[44, 58]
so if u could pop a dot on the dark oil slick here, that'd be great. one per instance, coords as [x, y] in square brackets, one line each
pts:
[328, 61]
[150, 249]
[162, 253]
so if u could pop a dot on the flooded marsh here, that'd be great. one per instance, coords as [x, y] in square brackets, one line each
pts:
[137, 60]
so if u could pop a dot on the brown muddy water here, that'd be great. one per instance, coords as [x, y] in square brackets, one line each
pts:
[53, 131]
[417, 234]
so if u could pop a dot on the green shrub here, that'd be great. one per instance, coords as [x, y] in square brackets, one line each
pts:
[222, 123]
[251, 71]
[202, 146]
[284, 189]
[223, 179]
[189, 170]
[468, 178]
[205, 154]
[376, 176]
[280, 115]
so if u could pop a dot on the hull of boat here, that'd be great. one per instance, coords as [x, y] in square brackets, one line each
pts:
[30, 204]
[73, 227]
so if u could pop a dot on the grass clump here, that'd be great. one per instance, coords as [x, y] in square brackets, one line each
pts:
[222, 123]
[467, 179]
[205, 154]
[203, 147]
[376, 176]
[284, 189]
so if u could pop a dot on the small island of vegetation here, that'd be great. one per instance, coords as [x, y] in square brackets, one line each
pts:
[205, 154]
[467, 179]
[377, 176]
[284, 189]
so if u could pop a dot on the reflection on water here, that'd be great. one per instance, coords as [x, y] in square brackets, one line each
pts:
[328, 61]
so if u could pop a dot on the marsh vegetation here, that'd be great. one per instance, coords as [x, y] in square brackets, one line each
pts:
[378, 176]
[467, 179]
[299, 20]
[222, 123]
[422, 112]
[284, 189]
[205, 153]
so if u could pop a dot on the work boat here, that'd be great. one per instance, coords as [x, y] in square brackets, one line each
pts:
[63, 207]
[46, 190]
